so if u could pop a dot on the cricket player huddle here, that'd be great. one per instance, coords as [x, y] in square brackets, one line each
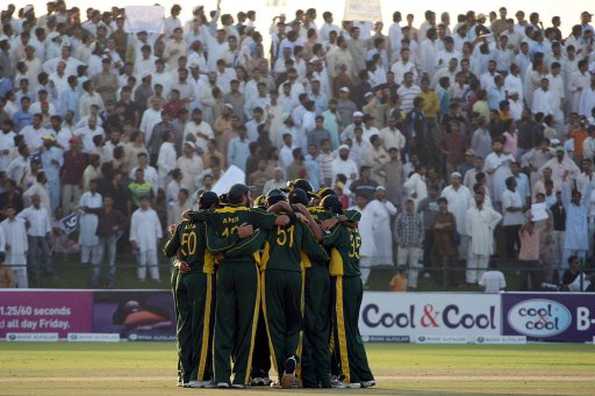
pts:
[275, 285]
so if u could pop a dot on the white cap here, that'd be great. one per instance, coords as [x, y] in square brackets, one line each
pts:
[344, 89]
[456, 174]
[343, 147]
[358, 114]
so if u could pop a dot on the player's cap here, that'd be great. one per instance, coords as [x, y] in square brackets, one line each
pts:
[260, 201]
[298, 196]
[274, 196]
[303, 184]
[207, 200]
[332, 204]
[236, 192]
[323, 192]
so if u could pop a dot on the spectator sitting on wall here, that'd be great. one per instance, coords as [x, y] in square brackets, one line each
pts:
[574, 279]
[493, 281]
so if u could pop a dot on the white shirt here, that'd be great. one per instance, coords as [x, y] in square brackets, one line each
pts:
[145, 229]
[399, 69]
[32, 137]
[512, 199]
[458, 203]
[492, 281]
[166, 161]
[150, 118]
[39, 221]
[198, 130]
[88, 222]
[15, 236]
[544, 102]
[347, 168]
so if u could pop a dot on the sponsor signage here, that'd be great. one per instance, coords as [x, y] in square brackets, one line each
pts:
[433, 339]
[32, 337]
[549, 316]
[385, 314]
[93, 337]
[87, 315]
[57, 311]
[495, 340]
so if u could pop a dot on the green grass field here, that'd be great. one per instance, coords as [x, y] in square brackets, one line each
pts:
[401, 369]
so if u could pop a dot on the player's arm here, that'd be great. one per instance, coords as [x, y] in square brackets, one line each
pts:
[267, 220]
[214, 242]
[311, 246]
[248, 245]
[173, 243]
[309, 221]
[334, 236]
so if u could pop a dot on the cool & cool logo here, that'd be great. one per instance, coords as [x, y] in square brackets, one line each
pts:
[539, 318]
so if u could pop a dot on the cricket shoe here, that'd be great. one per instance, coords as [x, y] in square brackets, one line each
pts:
[261, 381]
[368, 384]
[238, 386]
[199, 384]
[288, 379]
[346, 385]
[222, 385]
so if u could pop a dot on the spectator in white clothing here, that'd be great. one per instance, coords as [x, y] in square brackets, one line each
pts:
[145, 233]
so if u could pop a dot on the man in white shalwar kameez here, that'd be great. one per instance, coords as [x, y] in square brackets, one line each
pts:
[459, 199]
[145, 233]
[480, 222]
[587, 99]
[166, 161]
[368, 247]
[15, 236]
[579, 81]
[381, 210]
[497, 166]
[90, 203]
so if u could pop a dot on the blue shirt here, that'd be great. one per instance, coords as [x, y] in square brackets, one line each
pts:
[238, 152]
[21, 119]
[313, 169]
[495, 96]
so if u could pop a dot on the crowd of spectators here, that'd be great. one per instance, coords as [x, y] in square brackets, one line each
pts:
[458, 140]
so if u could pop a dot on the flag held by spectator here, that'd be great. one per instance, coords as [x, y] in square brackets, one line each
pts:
[70, 223]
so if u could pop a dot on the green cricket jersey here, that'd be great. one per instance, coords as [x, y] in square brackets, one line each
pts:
[285, 248]
[222, 225]
[189, 244]
[344, 242]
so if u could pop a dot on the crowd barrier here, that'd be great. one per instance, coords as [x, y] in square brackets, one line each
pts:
[148, 315]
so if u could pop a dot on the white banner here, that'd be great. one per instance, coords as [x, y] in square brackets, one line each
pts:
[358, 10]
[147, 18]
[387, 314]
[232, 175]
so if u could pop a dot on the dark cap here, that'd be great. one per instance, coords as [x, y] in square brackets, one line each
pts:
[236, 192]
[274, 196]
[302, 184]
[298, 196]
[332, 204]
[325, 191]
[207, 200]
